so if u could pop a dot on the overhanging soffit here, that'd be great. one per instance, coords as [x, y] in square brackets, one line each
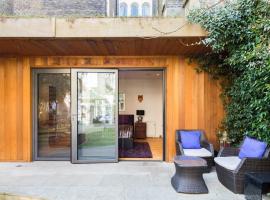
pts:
[99, 36]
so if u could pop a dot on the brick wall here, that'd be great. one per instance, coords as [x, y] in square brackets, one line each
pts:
[174, 8]
[53, 7]
[6, 7]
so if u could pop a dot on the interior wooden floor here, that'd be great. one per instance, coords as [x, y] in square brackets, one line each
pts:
[156, 149]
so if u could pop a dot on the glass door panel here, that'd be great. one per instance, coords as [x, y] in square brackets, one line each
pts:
[94, 111]
[52, 114]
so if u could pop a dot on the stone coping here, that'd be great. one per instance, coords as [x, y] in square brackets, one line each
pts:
[12, 27]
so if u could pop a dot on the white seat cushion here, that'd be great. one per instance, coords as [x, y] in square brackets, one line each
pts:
[197, 152]
[230, 162]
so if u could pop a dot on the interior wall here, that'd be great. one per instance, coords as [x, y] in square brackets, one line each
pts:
[152, 104]
[192, 99]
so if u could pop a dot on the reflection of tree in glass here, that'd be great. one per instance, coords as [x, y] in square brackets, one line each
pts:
[54, 99]
[109, 82]
[60, 81]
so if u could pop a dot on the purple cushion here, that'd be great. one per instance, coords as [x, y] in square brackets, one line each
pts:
[252, 148]
[191, 139]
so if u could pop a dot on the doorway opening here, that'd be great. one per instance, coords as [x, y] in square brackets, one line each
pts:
[141, 118]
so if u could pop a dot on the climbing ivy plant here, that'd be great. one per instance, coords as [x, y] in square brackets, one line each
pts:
[239, 38]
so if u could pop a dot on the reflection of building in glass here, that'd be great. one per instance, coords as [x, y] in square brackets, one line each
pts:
[135, 8]
[96, 98]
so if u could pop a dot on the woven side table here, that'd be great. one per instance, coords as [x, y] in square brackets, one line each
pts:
[188, 175]
[256, 184]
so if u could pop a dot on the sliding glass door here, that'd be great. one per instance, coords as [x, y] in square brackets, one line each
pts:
[75, 115]
[52, 126]
[94, 115]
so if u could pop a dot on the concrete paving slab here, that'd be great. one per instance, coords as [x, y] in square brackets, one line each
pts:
[61, 180]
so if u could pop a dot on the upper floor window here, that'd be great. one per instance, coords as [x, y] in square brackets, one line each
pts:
[123, 10]
[145, 9]
[134, 9]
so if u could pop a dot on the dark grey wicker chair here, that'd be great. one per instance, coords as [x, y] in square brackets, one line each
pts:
[204, 144]
[234, 179]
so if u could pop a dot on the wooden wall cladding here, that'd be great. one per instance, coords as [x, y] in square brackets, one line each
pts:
[192, 99]
[15, 131]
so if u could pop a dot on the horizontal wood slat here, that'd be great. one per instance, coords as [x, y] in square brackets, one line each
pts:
[101, 47]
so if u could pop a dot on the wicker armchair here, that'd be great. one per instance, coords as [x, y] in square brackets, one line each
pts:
[234, 179]
[204, 144]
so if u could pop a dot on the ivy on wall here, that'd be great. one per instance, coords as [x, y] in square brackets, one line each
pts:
[239, 36]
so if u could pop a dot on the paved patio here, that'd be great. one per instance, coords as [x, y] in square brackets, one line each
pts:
[121, 181]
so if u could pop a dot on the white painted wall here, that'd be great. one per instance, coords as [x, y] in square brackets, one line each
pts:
[151, 89]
